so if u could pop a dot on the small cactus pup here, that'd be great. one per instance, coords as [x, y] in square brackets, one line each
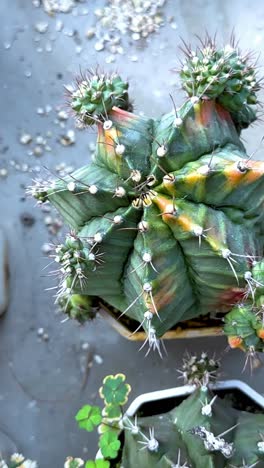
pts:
[167, 220]
[206, 429]
[244, 324]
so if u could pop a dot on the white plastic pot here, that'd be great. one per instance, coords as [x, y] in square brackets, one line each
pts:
[188, 389]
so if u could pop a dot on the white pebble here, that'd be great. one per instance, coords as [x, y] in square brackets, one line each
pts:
[25, 139]
[41, 27]
[99, 46]
[98, 359]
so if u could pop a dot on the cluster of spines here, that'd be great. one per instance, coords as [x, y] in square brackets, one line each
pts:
[199, 370]
[222, 74]
[95, 94]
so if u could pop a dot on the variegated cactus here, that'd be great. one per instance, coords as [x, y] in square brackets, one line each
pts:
[167, 221]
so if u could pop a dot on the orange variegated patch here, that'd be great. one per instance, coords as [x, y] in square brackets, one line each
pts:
[235, 341]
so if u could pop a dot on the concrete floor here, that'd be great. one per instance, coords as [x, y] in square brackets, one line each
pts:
[41, 383]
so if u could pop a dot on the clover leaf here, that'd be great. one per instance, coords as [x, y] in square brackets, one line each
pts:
[97, 464]
[114, 390]
[112, 412]
[109, 444]
[88, 417]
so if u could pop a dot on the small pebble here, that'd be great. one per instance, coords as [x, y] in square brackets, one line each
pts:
[135, 36]
[90, 33]
[48, 47]
[62, 115]
[25, 138]
[99, 46]
[40, 111]
[3, 172]
[78, 49]
[38, 151]
[40, 140]
[48, 220]
[7, 45]
[46, 249]
[85, 346]
[98, 359]
[68, 139]
[59, 26]
[45, 337]
[41, 27]
[110, 59]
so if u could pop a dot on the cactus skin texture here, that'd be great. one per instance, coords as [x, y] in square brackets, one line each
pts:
[180, 436]
[169, 215]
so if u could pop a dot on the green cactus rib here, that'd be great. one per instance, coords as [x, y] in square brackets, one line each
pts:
[172, 208]
[175, 441]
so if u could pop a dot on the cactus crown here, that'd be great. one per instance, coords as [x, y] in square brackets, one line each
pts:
[205, 429]
[95, 94]
[167, 221]
[224, 75]
[199, 371]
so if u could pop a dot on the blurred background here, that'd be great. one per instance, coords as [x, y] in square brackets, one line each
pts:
[48, 369]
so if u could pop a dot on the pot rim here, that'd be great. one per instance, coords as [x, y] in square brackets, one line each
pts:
[188, 389]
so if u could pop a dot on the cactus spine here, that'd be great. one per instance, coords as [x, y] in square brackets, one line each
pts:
[167, 221]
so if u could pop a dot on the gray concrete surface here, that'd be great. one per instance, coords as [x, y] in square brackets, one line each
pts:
[42, 382]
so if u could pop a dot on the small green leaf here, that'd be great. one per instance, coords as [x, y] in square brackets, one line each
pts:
[108, 425]
[88, 417]
[97, 464]
[114, 390]
[109, 444]
[112, 412]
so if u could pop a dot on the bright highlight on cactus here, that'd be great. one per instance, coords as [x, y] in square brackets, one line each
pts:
[167, 221]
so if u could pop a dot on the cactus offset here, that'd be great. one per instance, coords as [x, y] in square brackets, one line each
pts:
[244, 324]
[168, 218]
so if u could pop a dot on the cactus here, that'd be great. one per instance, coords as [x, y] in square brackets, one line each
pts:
[204, 430]
[167, 220]
[77, 306]
[244, 324]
